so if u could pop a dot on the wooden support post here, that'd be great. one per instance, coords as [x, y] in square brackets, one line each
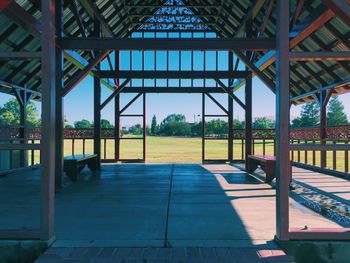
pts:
[203, 127]
[97, 120]
[323, 101]
[248, 104]
[59, 134]
[248, 119]
[59, 101]
[230, 128]
[117, 127]
[48, 152]
[23, 124]
[117, 113]
[230, 112]
[97, 103]
[144, 128]
[282, 121]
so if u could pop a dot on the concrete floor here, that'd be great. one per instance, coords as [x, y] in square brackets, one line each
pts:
[164, 255]
[173, 205]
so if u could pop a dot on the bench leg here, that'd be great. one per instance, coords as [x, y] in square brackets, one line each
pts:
[270, 174]
[92, 164]
[252, 166]
[72, 172]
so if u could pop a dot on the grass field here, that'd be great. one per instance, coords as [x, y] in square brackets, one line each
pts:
[186, 150]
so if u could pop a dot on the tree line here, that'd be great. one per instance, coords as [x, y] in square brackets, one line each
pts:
[310, 114]
[176, 124]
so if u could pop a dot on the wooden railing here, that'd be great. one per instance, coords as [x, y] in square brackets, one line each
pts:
[80, 141]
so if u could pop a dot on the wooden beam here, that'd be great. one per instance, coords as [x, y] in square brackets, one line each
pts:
[340, 8]
[30, 23]
[94, 13]
[130, 102]
[164, 74]
[229, 91]
[11, 55]
[83, 73]
[20, 146]
[156, 6]
[4, 4]
[314, 92]
[187, 90]
[115, 93]
[312, 23]
[320, 56]
[217, 103]
[258, 44]
[269, 83]
[319, 147]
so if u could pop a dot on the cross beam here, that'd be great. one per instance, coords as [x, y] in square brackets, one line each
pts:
[159, 74]
[168, 44]
[156, 89]
[328, 87]
[320, 56]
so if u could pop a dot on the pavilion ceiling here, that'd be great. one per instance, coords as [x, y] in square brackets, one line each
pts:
[314, 27]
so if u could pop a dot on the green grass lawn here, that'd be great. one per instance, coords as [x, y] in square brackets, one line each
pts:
[185, 150]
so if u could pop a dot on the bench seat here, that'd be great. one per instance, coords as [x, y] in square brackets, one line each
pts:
[267, 164]
[73, 164]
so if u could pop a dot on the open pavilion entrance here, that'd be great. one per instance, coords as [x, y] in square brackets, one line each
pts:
[179, 140]
[299, 51]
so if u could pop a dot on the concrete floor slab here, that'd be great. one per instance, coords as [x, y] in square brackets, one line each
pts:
[153, 205]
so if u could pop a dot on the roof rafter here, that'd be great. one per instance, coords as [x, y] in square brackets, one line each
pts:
[341, 8]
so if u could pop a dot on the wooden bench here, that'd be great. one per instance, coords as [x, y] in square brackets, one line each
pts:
[75, 163]
[267, 164]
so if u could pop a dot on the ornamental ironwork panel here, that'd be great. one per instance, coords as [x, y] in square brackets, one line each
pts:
[305, 134]
[338, 133]
[333, 133]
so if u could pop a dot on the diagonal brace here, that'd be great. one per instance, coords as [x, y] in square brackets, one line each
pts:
[236, 99]
[130, 102]
[115, 93]
[217, 103]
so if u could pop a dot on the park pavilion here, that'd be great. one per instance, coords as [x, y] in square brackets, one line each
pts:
[298, 49]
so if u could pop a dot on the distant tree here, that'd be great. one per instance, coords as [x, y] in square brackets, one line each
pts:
[175, 125]
[10, 114]
[69, 126]
[237, 124]
[148, 130]
[136, 129]
[154, 126]
[336, 114]
[310, 115]
[83, 124]
[196, 129]
[296, 122]
[105, 124]
[124, 131]
[216, 127]
[263, 123]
